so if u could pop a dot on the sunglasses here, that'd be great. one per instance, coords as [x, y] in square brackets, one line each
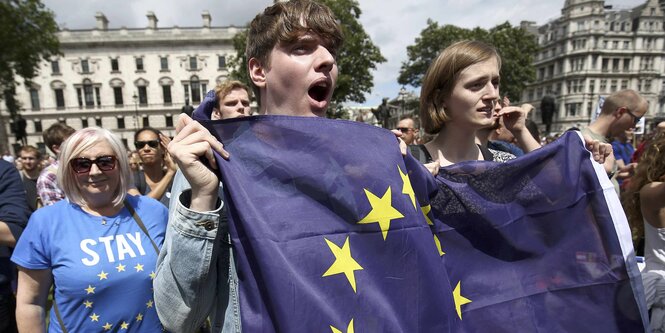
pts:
[636, 119]
[151, 143]
[83, 165]
[404, 129]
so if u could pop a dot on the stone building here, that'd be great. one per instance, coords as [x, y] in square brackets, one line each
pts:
[592, 50]
[123, 79]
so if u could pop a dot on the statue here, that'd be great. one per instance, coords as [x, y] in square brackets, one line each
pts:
[547, 110]
[19, 130]
[382, 113]
[187, 109]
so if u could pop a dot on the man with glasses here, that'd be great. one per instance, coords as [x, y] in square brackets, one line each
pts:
[409, 130]
[621, 111]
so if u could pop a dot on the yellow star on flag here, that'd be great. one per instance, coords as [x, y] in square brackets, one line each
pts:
[382, 211]
[406, 188]
[94, 317]
[87, 304]
[426, 210]
[120, 268]
[124, 325]
[103, 276]
[344, 262]
[90, 289]
[107, 326]
[152, 275]
[459, 299]
[139, 317]
[149, 304]
[438, 246]
[138, 267]
[349, 329]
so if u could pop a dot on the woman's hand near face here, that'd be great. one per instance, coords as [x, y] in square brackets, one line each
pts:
[514, 119]
[192, 142]
[171, 166]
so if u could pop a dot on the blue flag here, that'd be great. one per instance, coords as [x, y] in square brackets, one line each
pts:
[327, 232]
[335, 231]
[538, 244]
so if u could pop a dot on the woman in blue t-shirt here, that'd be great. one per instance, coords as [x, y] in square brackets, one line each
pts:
[98, 247]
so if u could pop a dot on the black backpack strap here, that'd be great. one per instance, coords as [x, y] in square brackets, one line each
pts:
[420, 153]
[140, 223]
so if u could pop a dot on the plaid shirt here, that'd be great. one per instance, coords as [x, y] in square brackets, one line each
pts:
[47, 185]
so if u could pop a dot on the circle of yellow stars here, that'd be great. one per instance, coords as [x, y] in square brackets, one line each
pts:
[90, 290]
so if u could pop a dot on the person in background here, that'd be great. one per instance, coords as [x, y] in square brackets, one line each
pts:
[158, 167]
[134, 161]
[621, 111]
[98, 247]
[409, 129]
[47, 184]
[31, 158]
[14, 214]
[7, 156]
[645, 209]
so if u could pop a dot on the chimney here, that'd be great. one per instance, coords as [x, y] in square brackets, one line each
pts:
[206, 19]
[152, 20]
[102, 22]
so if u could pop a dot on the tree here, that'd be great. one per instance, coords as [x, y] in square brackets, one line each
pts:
[27, 35]
[516, 47]
[355, 60]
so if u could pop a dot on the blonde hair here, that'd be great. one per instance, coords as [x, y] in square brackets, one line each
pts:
[226, 87]
[77, 143]
[442, 76]
[650, 169]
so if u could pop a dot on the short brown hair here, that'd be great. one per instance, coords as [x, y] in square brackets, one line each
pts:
[224, 88]
[442, 76]
[56, 134]
[624, 98]
[285, 22]
[31, 149]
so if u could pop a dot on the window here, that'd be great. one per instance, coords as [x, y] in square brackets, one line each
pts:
[626, 45]
[117, 94]
[186, 86]
[146, 121]
[98, 98]
[196, 90]
[572, 109]
[59, 98]
[221, 61]
[592, 86]
[139, 64]
[603, 85]
[613, 85]
[114, 65]
[98, 121]
[626, 64]
[55, 67]
[169, 121]
[85, 67]
[34, 98]
[88, 95]
[615, 65]
[121, 123]
[606, 63]
[38, 126]
[192, 63]
[647, 85]
[166, 90]
[624, 84]
[84, 122]
[164, 63]
[615, 44]
[143, 96]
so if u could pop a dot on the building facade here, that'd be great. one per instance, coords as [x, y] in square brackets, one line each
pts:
[593, 50]
[123, 79]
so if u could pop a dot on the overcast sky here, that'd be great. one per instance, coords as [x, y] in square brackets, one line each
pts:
[391, 24]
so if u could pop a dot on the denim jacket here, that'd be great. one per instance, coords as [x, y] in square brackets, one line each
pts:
[196, 276]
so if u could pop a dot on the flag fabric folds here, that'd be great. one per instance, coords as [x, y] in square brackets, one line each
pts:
[326, 230]
[334, 230]
[538, 244]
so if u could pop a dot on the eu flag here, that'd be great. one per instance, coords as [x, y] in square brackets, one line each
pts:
[327, 232]
[538, 244]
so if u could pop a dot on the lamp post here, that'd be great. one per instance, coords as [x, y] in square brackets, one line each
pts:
[136, 111]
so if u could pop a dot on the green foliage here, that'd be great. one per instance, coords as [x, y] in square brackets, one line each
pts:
[355, 60]
[516, 47]
[27, 35]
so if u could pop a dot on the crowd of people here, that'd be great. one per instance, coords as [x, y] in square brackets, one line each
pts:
[139, 240]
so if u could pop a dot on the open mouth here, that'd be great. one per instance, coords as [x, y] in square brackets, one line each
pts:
[319, 91]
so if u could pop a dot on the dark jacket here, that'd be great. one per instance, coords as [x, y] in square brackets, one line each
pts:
[15, 213]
